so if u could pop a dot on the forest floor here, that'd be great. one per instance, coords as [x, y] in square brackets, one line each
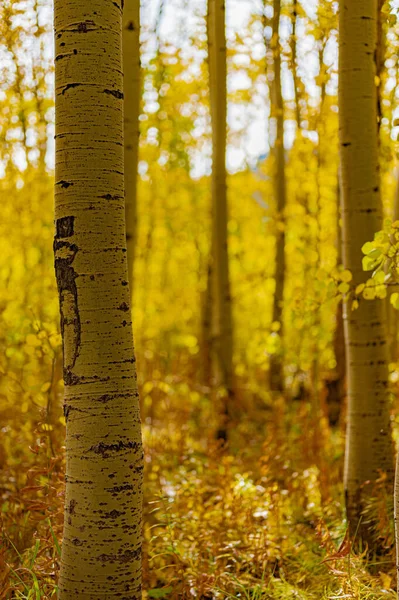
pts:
[260, 519]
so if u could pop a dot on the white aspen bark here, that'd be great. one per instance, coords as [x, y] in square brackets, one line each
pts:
[276, 379]
[132, 89]
[101, 548]
[369, 444]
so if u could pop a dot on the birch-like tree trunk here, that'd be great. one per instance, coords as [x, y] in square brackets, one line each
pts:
[276, 377]
[222, 327]
[294, 59]
[132, 88]
[101, 548]
[369, 443]
[392, 312]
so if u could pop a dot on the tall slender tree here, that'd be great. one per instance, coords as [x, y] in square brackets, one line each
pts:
[276, 378]
[368, 443]
[222, 326]
[101, 548]
[392, 312]
[132, 80]
[294, 62]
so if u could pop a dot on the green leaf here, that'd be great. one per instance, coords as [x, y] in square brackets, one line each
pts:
[56, 543]
[368, 263]
[344, 287]
[160, 592]
[394, 300]
[367, 247]
[379, 277]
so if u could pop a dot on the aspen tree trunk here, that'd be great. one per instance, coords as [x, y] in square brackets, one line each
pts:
[206, 328]
[295, 62]
[222, 316]
[276, 377]
[368, 444]
[336, 386]
[38, 92]
[131, 69]
[101, 548]
[392, 312]
[380, 59]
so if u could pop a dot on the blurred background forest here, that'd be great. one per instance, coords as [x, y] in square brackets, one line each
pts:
[265, 518]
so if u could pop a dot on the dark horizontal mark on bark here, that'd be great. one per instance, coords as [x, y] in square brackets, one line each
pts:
[346, 144]
[108, 397]
[126, 557]
[124, 307]
[115, 93]
[127, 360]
[120, 488]
[72, 379]
[78, 481]
[83, 26]
[70, 86]
[114, 514]
[64, 184]
[111, 197]
[104, 449]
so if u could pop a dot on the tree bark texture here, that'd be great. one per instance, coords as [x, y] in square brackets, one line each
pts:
[222, 327]
[132, 93]
[101, 548]
[369, 443]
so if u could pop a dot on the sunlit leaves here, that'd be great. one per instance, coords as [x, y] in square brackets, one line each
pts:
[381, 257]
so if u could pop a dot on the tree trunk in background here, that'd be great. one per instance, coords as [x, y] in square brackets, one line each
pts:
[369, 443]
[294, 59]
[380, 58]
[206, 328]
[392, 312]
[276, 376]
[222, 327]
[101, 548]
[336, 386]
[132, 89]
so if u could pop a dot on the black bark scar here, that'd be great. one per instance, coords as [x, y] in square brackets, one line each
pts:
[115, 93]
[64, 255]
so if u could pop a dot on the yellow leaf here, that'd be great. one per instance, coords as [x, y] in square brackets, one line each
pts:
[369, 293]
[360, 288]
[343, 287]
[346, 276]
